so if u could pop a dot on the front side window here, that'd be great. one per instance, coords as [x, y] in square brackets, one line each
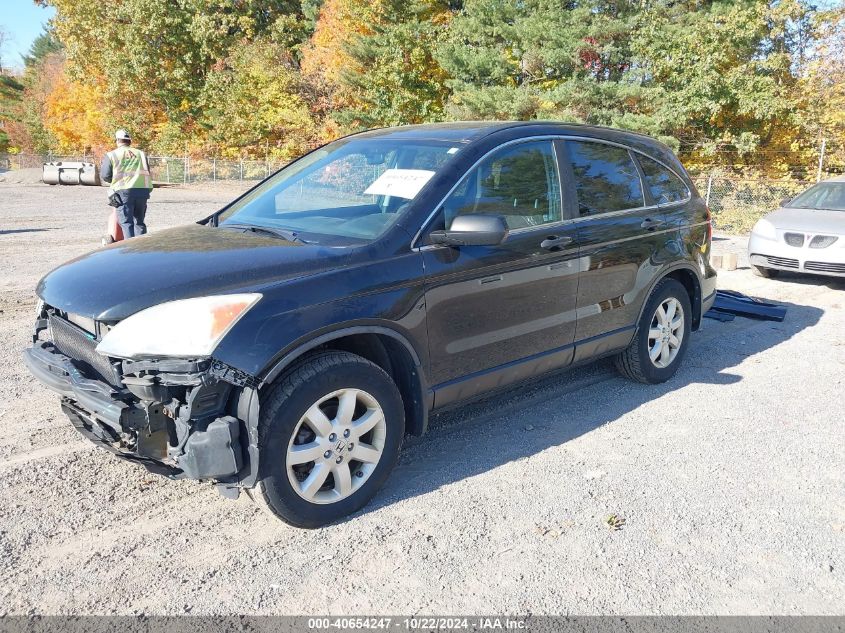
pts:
[518, 182]
[665, 187]
[353, 188]
[606, 178]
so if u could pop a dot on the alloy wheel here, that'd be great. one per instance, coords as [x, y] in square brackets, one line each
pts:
[666, 333]
[336, 446]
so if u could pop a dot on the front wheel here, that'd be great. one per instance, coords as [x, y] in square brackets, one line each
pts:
[662, 335]
[329, 435]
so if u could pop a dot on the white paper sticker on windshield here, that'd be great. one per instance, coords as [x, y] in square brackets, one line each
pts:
[402, 183]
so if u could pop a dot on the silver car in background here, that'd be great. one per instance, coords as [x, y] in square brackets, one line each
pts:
[806, 234]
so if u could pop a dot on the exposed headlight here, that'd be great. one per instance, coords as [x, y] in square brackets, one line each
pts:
[764, 228]
[189, 327]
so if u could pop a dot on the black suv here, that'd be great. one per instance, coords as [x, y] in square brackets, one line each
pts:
[286, 344]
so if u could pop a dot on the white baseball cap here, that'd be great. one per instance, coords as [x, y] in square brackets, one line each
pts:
[122, 135]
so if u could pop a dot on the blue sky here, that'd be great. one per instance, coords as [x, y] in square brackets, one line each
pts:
[22, 21]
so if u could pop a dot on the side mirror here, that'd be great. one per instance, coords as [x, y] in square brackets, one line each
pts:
[473, 229]
[785, 201]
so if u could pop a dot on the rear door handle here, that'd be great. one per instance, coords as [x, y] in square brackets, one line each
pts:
[650, 224]
[554, 241]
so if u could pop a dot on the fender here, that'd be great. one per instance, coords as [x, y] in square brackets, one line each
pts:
[417, 407]
[247, 406]
[697, 299]
[287, 358]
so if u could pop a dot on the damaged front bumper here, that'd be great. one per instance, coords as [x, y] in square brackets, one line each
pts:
[177, 418]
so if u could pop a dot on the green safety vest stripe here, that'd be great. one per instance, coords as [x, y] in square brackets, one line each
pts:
[130, 169]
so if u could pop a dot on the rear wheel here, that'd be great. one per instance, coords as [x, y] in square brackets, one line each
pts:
[662, 335]
[329, 435]
[768, 273]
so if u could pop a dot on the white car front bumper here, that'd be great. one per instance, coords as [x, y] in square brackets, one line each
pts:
[775, 253]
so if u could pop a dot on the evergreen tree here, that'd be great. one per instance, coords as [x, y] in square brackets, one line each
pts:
[11, 91]
[395, 77]
[704, 74]
[42, 46]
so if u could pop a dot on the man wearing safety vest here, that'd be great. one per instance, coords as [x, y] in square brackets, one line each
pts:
[128, 171]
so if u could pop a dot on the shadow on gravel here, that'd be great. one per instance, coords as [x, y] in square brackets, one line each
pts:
[806, 279]
[10, 231]
[552, 410]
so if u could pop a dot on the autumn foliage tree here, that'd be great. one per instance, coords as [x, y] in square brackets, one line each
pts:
[739, 82]
[822, 87]
[253, 99]
[74, 113]
[326, 57]
[23, 97]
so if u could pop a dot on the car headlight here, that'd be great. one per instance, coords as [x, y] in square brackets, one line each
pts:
[764, 228]
[188, 327]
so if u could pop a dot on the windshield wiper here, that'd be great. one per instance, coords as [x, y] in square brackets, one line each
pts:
[290, 236]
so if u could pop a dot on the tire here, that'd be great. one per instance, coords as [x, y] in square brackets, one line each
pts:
[295, 414]
[768, 273]
[635, 362]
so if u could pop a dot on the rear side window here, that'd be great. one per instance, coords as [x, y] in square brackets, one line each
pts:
[606, 178]
[664, 186]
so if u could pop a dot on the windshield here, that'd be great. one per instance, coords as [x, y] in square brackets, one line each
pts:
[353, 188]
[825, 195]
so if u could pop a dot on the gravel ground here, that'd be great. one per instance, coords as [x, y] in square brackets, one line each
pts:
[728, 482]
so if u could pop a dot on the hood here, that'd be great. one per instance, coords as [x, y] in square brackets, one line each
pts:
[808, 220]
[187, 261]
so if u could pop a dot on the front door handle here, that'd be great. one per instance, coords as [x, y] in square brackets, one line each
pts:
[649, 224]
[555, 241]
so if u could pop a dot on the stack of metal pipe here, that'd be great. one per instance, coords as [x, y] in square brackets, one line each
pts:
[70, 173]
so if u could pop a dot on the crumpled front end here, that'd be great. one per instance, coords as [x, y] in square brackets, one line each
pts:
[182, 418]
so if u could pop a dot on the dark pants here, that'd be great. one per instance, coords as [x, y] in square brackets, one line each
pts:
[130, 215]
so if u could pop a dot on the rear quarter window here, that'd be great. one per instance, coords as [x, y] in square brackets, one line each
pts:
[664, 186]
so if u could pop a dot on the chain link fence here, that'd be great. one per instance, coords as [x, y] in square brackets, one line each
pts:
[36, 161]
[735, 200]
[165, 169]
[184, 170]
